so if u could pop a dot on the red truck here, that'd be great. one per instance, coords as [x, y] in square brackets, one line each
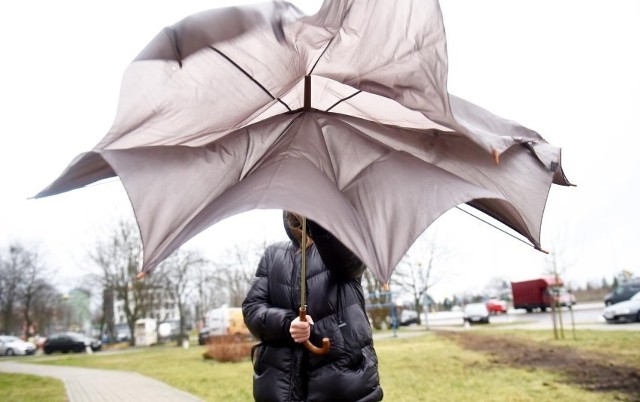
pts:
[538, 294]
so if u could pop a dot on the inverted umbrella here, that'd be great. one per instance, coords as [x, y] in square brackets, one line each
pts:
[342, 116]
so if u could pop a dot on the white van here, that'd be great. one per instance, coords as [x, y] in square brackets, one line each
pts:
[223, 321]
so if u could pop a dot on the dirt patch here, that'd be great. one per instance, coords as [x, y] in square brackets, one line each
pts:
[591, 371]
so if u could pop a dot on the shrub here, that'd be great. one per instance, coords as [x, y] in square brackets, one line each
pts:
[228, 348]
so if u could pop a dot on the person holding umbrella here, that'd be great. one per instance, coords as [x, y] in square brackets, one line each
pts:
[346, 367]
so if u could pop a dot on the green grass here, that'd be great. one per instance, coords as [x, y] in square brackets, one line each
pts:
[430, 368]
[422, 368]
[29, 388]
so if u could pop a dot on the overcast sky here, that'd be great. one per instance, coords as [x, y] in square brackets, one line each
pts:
[567, 69]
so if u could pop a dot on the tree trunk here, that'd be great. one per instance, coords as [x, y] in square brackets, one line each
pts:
[181, 334]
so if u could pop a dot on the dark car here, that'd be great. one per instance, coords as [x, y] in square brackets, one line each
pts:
[70, 342]
[408, 317]
[622, 292]
[203, 336]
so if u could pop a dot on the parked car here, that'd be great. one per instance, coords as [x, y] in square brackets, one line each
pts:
[565, 297]
[203, 335]
[70, 342]
[123, 335]
[476, 313]
[496, 306]
[622, 292]
[12, 345]
[628, 310]
[408, 317]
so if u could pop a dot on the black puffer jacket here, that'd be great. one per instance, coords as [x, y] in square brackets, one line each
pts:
[286, 371]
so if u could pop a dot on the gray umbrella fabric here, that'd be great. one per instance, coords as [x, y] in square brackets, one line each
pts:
[372, 147]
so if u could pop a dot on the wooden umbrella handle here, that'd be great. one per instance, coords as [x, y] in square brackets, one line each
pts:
[326, 344]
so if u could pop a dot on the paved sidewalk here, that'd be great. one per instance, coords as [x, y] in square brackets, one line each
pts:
[93, 385]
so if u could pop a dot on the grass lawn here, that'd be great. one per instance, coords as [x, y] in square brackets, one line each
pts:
[29, 388]
[431, 368]
[617, 345]
[427, 367]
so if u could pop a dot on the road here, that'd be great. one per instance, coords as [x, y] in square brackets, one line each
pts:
[585, 316]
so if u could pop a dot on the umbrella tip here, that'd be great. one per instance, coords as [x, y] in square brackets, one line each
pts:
[385, 287]
[140, 275]
[542, 250]
[496, 156]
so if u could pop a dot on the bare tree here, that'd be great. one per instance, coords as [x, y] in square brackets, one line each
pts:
[236, 269]
[45, 310]
[207, 294]
[418, 271]
[378, 300]
[561, 258]
[181, 277]
[10, 276]
[625, 276]
[34, 286]
[119, 257]
[498, 288]
[22, 284]
[563, 255]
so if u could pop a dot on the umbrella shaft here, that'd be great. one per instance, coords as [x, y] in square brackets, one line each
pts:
[303, 264]
[307, 92]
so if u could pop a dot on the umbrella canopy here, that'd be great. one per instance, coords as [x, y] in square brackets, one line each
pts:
[342, 116]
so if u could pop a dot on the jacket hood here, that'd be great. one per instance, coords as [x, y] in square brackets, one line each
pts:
[293, 226]
[286, 217]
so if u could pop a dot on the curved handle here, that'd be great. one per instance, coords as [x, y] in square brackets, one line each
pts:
[326, 344]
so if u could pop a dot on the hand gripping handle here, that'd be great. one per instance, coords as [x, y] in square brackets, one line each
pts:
[326, 344]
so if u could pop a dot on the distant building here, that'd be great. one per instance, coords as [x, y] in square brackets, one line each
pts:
[76, 314]
[160, 306]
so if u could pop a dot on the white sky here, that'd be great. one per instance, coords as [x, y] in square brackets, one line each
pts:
[567, 69]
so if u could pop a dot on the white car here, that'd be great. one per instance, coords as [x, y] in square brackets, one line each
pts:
[476, 313]
[628, 310]
[12, 345]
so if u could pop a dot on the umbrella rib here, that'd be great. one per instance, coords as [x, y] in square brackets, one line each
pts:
[321, 54]
[496, 227]
[342, 100]
[284, 130]
[249, 76]
[347, 11]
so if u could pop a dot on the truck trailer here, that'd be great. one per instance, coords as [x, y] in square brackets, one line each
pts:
[539, 294]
